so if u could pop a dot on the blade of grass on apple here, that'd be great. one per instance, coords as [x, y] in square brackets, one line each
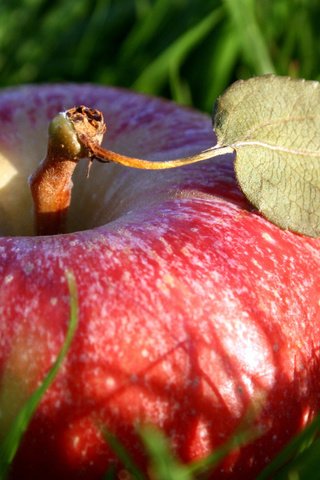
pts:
[123, 455]
[299, 459]
[10, 444]
[163, 464]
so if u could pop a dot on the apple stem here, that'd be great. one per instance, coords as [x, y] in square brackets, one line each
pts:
[51, 192]
[103, 155]
[75, 134]
[51, 184]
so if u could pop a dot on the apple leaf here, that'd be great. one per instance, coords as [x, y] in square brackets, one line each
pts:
[273, 124]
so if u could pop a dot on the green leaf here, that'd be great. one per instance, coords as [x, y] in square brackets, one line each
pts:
[273, 124]
[10, 444]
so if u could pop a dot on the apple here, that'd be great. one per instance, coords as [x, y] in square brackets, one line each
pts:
[194, 310]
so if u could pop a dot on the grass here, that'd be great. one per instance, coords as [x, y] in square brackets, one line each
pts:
[186, 50]
[299, 459]
[13, 437]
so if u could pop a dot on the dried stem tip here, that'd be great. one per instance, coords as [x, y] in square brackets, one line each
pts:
[51, 184]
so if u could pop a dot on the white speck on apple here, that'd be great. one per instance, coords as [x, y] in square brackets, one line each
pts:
[75, 441]
[8, 279]
[268, 237]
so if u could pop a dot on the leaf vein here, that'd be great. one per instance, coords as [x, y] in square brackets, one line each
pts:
[278, 148]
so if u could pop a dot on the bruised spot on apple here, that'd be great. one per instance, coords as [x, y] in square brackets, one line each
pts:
[193, 308]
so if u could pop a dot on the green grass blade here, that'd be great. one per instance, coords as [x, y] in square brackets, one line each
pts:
[295, 450]
[111, 474]
[142, 7]
[180, 90]
[164, 466]
[89, 40]
[305, 466]
[122, 454]
[156, 74]
[144, 29]
[239, 439]
[254, 46]
[221, 64]
[10, 444]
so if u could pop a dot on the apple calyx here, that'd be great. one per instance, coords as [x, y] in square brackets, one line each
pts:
[75, 134]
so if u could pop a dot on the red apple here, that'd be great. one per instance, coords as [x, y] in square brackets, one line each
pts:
[192, 306]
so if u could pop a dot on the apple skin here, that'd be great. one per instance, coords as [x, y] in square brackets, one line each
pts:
[194, 310]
